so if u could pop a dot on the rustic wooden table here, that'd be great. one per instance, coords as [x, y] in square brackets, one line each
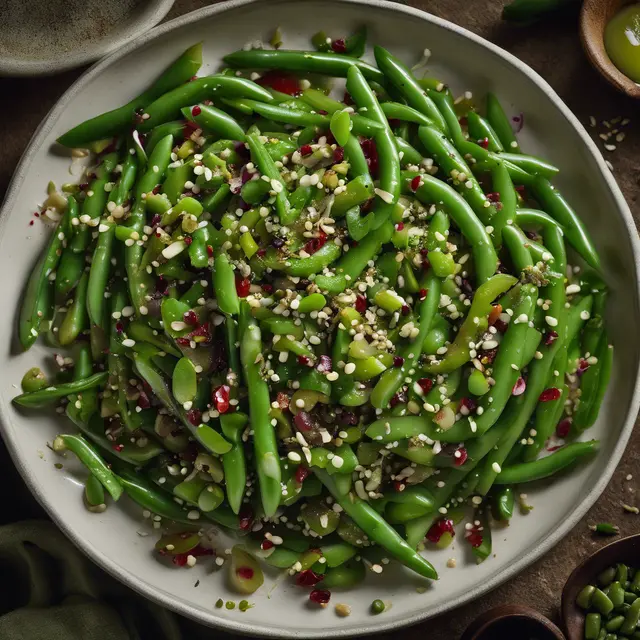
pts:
[553, 50]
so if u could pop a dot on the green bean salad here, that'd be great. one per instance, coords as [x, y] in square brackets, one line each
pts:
[336, 328]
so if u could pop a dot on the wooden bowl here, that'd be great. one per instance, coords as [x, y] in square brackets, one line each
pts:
[594, 17]
[626, 550]
[512, 621]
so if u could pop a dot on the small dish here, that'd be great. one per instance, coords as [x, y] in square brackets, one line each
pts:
[626, 550]
[512, 621]
[594, 17]
[70, 33]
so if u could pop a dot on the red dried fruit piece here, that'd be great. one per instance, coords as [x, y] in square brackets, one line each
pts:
[210, 251]
[519, 387]
[220, 398]
[283, 82]
[119, 327]
[315, 244]
[267, 288]
[460, 456]
[308, 578]
[338, 154]
[303, 421]
[548, 395]
[493, 197]
[339, 45]
[399, 486]
[283, 400]
[191, 318]
[422, 294]
[399, 398]
[439, 528]
[583, 365]
[188, 240]
[474, 537]
[361, 304]
[500, 325]
[398, 361]
[320, 596]
[196, 111]
[265, 545]
[325, 364]
[371, 154]
[246, 573]
[550, 337]
[563, 428]
[305, 361]
[405, 310]
[306, 150]
[143, 400]
[400, 226]
[484, 143]
[243, 286]
[302, 473]
[245, 518]
[469, 404]
[118, 447]
[415, 183]
[194, 416]
[426, 384]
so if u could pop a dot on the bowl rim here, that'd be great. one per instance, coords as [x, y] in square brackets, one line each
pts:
[152, 592]
[16, 67]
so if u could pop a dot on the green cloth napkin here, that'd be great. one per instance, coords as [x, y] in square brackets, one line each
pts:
[49, 590]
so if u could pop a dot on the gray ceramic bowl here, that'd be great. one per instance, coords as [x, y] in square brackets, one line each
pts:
[48, 36]
[466, 62]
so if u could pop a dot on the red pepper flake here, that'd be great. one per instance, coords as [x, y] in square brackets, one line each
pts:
[474, 537]
[245, 518]
[493, 197]
[265, 545]
[315, 244]
[243, 286]
[484, 143]
[118, 447]
[548, 395]
[338, 154]
[405, 310]
[563, 428]
[245, 573]
[439, 528]
[210, 251]
[36, 214]
[306, 150]
[361, 304]
[194, 416]
[400, 226]
[415, 183]
[422, 294]
[320, 596]
[261, 253]
[325, 364]
[308, 578]
[305, 361]
[398, 361]
[191, 318]
[550, 337]
[460, 457]
[282, 82]
[196, 111]
[399, 486]
[302, 473]
[519, 387]
[220, 398]
[31, 223]
[426, 384]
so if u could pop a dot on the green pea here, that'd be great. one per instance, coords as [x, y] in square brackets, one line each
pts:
[340, 126]
[34, 380]
[244, 605]
[377, 606]
[230, 604]
[477, 383]
[219, 603]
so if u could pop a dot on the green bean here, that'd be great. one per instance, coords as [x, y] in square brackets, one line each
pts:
[75, 319]
[503, 502]
[224, 285]
[530, 164]
[500, 123]
[233, 461]
[119, 120]
[213, 120]
[480, 129]
[99, 273]
[94, 493]
[330, 64]
[50, 394]
[503, 186]
[397, 111]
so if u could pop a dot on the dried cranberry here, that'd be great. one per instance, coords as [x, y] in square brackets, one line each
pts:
[119, 327]
[156, 189]
[439, 528]
[220, 398]
[405, 310]
[548, 395]
[267, 288]
[348, 418]
[422, 294]
[519, 387]
[426, 384]
[347, 99]
[460, 457]
[493, 197]
[563, 428]
[500, 325]
[371, 154]
[143, 400]
[243, 286]
[303, 421]
[305, 361]
[277, 242]
[245, 518]
[201, 334]
[398, 361]
[550, 337]
[308, 578]
[302, 473]
[188, 240]
[306, 150]
[469, 404]
[338, 154]
[282, 82]
[266, 545]
[246, 573]
[196, 111]
[365, 207]
[315, 244]
[399, 486]
[155, 221]
[399, 398]
[474, 537]
[484, 143]
[191, 318]
[415, 183]
[325, 364]
[583, 365]
[400, 226]
[118, 447]
[361, 304]
[320, 596]
[210, 251]
[339, 45]
[194, 416]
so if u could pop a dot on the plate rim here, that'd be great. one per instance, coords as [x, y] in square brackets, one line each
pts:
[156, 594]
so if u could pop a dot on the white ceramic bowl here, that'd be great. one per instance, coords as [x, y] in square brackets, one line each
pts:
[51, 36]
[466, 62]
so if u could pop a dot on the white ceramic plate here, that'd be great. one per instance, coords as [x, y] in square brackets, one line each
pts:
[466, 62]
